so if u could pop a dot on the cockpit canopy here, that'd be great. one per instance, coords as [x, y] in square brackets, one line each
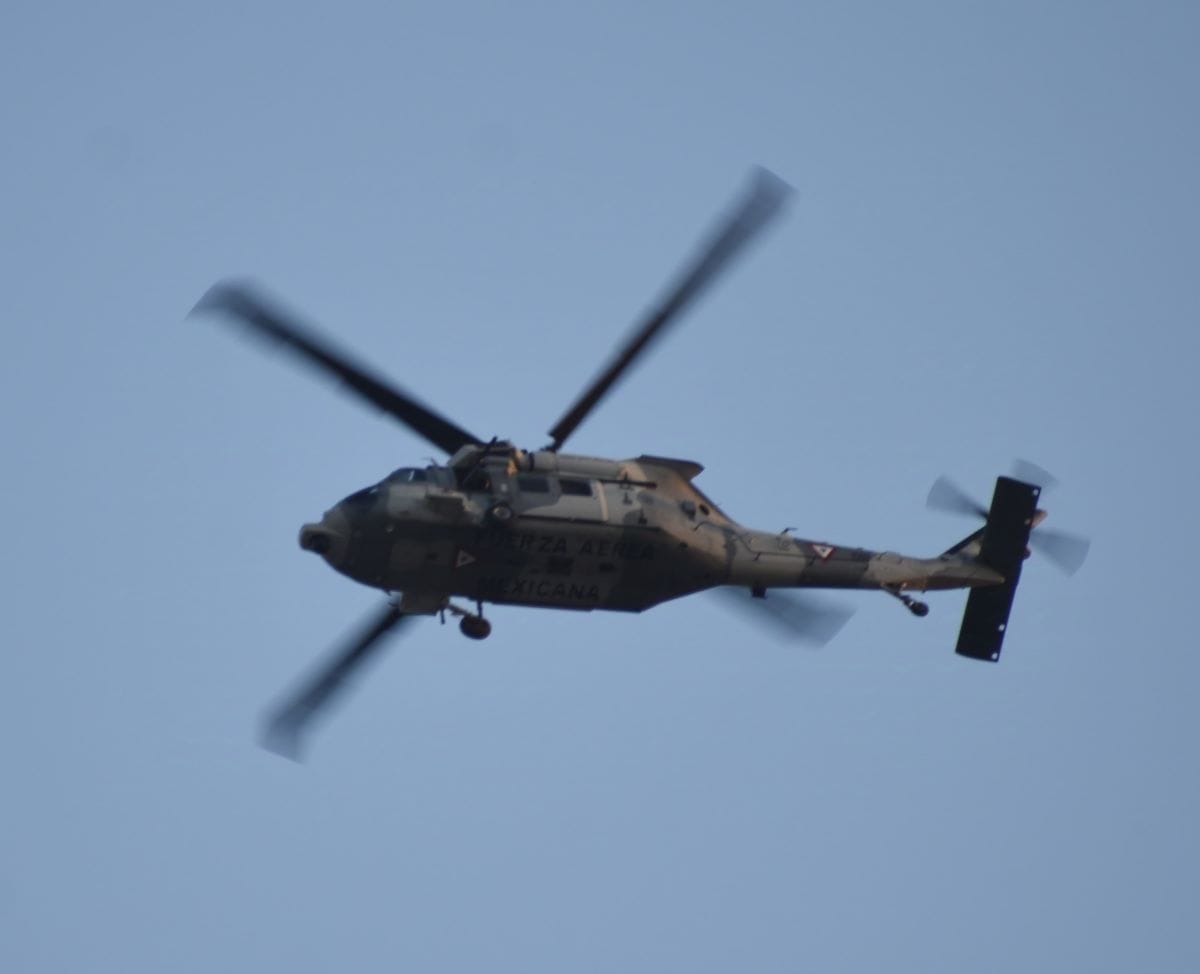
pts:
[408, 475]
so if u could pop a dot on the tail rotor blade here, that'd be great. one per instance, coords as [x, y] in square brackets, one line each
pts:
[1031, 473]
[945, 495]
[287, 723]
[803, 618]
[1067, 551]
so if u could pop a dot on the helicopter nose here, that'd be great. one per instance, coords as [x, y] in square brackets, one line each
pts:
[328, 538]
[315, 538]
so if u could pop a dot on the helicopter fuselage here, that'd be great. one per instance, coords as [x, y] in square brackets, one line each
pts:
[553, 530]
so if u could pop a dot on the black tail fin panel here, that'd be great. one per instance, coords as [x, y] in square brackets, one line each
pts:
[1003, 548]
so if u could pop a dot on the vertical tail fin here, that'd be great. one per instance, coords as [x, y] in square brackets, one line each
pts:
[1003, 547]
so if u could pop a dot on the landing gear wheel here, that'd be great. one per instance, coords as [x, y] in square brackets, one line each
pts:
[919, 609]
[501, 513]
[475, 627]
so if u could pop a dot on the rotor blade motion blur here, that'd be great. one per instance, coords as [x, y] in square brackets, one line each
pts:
[945, 495]
[285, 727]
[764, 201]
[791, 615]
[1066, 551]
[1030, 473]
[253, 311]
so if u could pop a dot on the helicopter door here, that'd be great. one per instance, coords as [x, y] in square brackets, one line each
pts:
[562, 498]
[492, 480]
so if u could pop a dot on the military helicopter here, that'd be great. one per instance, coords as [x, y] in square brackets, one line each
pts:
[503, 525]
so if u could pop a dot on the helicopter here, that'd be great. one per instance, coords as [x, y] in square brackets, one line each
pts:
[497, 524]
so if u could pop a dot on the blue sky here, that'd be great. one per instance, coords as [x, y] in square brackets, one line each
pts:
[991, 254]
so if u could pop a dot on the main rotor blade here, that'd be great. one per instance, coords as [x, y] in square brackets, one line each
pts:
[792, 615]
[945, 495]
[286, 724]
[1067, 551]
[763, 201]
[253, 311]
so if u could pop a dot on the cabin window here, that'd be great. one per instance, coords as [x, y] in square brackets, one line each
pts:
[534, 485]
[576, 488]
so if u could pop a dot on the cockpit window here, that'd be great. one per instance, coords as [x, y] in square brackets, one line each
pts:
[362, 499]
[577, 488]
[409, 475]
